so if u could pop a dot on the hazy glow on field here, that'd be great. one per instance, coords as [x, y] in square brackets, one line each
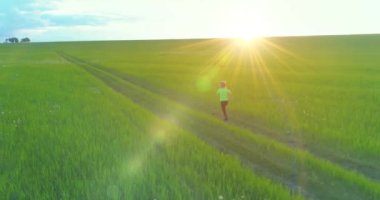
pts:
[247, 57]
[246, 41]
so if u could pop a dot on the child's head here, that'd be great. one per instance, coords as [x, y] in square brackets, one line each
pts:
[223, 84]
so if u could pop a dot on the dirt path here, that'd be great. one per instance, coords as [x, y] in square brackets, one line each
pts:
[370, 170]
[268, 158]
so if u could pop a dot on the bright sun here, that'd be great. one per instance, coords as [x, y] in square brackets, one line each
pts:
[246, 41]
[245, 36]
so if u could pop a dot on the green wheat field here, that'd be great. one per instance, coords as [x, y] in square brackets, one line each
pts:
[141, 119]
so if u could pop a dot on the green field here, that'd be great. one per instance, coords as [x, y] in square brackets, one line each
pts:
[141, 119]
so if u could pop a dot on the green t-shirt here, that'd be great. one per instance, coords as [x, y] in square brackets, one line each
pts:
[223, 94]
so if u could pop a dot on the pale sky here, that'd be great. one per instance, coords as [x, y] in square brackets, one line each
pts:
[66, 20]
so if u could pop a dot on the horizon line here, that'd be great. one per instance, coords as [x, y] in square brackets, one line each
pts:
[199, 38]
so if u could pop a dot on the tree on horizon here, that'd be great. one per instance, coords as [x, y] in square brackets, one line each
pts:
[12, 40]
[25, 40]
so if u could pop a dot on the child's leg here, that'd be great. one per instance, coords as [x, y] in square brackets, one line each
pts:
[224, 106]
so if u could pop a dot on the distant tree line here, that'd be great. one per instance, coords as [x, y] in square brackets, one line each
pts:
[16, 40]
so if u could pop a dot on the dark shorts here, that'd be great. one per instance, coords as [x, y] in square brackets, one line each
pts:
[224, 103]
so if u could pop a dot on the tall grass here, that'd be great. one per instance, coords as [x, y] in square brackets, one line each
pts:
[319, 91]
[65, 135]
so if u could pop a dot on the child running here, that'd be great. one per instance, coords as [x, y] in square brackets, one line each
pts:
[223, 93]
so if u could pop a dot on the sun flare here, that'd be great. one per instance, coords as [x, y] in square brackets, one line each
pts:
[246, 41]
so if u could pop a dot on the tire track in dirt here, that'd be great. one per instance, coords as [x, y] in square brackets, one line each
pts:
[368, 169]
[268, 158]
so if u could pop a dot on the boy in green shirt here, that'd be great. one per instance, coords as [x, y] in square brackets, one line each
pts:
[223, 93]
